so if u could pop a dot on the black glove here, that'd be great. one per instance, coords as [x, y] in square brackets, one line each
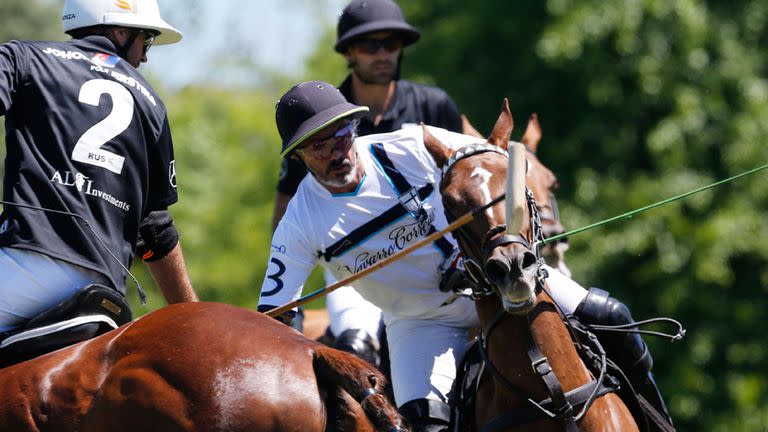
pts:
[285, 318]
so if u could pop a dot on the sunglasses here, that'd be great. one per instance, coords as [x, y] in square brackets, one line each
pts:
[323, 149]
[149, 39]
[372, 46]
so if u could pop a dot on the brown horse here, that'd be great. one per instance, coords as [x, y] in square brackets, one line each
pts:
[196, 367]
[522, 327]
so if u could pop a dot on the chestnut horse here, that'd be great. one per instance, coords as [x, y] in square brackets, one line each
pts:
[522, 326]
[196, 367]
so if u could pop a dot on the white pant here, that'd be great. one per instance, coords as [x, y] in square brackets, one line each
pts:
[424, 352]
[31, 283]
[347, 309]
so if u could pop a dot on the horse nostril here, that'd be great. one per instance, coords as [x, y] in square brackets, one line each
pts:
[529, 260]
[497, 270]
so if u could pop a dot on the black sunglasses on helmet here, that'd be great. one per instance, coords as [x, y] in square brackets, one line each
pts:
[149, 38]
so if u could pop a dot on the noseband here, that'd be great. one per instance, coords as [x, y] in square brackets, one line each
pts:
[496, 236]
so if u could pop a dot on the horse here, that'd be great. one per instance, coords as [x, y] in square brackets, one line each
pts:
[534, 378]
[196, 367]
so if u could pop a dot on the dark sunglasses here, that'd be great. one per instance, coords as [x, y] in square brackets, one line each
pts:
[323, 149]
[149, 39]
[372, 46]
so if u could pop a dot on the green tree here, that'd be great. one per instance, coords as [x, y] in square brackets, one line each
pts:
[639, 101]
[30, 19]
[27, 19]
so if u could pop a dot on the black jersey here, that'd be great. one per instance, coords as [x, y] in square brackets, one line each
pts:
[85, 134]
[411, 103]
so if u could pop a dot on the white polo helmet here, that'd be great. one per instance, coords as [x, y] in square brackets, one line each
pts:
[140, 14]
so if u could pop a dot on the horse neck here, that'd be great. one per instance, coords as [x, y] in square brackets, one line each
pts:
[509, 341]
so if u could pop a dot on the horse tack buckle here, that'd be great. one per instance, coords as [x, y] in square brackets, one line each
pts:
[536, 366]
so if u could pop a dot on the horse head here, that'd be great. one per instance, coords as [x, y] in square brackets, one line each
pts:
[503, 260]
[543, 183]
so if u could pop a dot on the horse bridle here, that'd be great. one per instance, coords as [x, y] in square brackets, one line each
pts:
[552, 213]
[481, 286]
[562, 402]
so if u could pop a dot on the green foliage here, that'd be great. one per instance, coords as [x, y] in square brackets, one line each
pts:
[28, 19]
[227, 164]
[640, 100]
[325, 64]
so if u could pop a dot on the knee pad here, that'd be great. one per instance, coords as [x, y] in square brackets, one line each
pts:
[628, 349]
[426, 415]
[359, 343]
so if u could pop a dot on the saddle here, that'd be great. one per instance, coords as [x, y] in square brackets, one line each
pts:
[92, 311]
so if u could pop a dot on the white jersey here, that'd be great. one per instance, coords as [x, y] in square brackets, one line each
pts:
[348, 233]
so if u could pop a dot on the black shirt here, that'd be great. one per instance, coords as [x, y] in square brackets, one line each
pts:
[411, 103]
[86, 134]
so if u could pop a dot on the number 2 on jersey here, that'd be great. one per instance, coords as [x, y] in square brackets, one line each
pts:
[88, 148]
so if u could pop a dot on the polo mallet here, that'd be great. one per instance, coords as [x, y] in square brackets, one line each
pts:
[516, 170]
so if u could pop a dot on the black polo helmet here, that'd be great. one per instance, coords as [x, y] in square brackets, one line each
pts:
[307, 108]
[369, 16]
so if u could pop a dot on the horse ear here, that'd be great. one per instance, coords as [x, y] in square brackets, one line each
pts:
[439, 151]
[468, 129]
[503, 128]
[532, 134]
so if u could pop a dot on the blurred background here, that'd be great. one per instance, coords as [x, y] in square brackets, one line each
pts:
[639, 100]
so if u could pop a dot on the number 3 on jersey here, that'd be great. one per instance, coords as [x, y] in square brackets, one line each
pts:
[88, 148]
[275, 277]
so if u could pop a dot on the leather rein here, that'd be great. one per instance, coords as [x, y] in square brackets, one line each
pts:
[560, 406]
